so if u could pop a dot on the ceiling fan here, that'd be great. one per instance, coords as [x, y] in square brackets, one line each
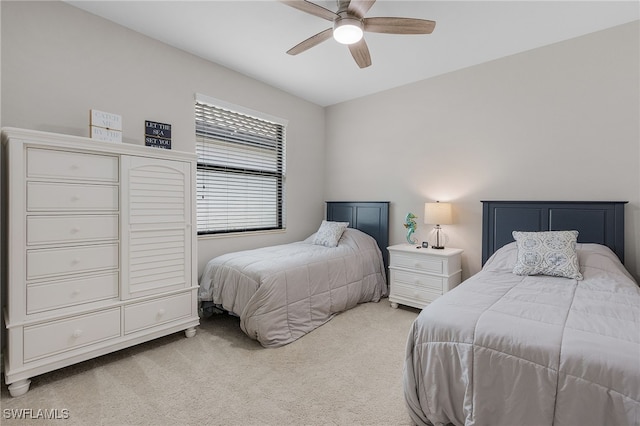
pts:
[349, 25]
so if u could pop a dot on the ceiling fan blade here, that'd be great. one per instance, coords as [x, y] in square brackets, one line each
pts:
[312, 8]
[399, 25]
[360, 7]
[360, 53]
[311, 41]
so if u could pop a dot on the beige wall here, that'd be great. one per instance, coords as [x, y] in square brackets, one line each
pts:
[555, 123]
[58, 62]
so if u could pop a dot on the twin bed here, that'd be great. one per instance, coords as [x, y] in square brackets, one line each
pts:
[283, 292]
[519, 343]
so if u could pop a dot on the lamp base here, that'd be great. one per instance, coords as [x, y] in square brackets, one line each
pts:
[437, 238]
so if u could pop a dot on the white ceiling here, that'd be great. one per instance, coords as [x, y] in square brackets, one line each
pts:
[252, 37]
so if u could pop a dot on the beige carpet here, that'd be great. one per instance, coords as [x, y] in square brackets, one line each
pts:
[347, 372]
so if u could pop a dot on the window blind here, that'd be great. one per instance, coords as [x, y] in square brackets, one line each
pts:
[241, 171]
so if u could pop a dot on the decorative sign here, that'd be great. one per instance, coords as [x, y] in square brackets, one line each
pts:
[107, 135]
[157, 134]
[105, 126]
[105, 120]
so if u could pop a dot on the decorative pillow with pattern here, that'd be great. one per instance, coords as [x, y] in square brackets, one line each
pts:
[547, 253]
[329, 233]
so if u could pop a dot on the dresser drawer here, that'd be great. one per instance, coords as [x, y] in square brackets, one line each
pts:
[413, 294]
[417, 262]
[148, 314]
[431, 283]
[58, 294]
[44, 196]
[50, 262]
[71, 228]
[63, 335]
[53, 164]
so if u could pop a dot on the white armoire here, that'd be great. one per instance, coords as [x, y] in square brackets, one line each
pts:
[99, 249]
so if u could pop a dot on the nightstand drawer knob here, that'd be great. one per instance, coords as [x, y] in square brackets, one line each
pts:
[77, 333]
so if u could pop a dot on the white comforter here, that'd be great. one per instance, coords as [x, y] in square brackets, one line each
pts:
[282, 292]
[503, 349]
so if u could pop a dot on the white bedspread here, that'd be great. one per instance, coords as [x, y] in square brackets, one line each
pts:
[282, 292]
[503, 349]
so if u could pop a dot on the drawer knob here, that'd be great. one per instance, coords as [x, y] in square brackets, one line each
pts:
[75, 197]
[161, 312]
[77, 333]
[75, 230]
[75, 261]
[75, 292]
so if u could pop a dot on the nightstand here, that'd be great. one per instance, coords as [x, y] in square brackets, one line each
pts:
[418, 276]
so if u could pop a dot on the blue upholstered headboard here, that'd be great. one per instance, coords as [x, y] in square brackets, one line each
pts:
[600, 222]
[369, 217]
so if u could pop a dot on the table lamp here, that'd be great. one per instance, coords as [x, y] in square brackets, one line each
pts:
[437, 214]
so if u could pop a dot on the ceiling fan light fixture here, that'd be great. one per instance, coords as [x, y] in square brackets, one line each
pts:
[347, 30]
[349, 24]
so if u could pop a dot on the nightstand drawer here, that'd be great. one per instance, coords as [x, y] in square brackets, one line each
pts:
[48, 163]
[58, 336]
[417, 280]
[148, 314]
[414, 294]
[417, 262]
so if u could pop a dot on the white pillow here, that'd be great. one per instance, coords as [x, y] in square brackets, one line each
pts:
[329, 233]
[547, 253]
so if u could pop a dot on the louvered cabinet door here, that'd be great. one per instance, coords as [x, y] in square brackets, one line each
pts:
[156, 256]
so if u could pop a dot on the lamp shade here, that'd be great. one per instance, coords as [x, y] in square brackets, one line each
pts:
[437, 214]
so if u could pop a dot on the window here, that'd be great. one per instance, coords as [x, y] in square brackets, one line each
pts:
[241, 169]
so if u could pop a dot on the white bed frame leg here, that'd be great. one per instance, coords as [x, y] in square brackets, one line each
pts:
[190, 332]
[394, 305]
[19, 388]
